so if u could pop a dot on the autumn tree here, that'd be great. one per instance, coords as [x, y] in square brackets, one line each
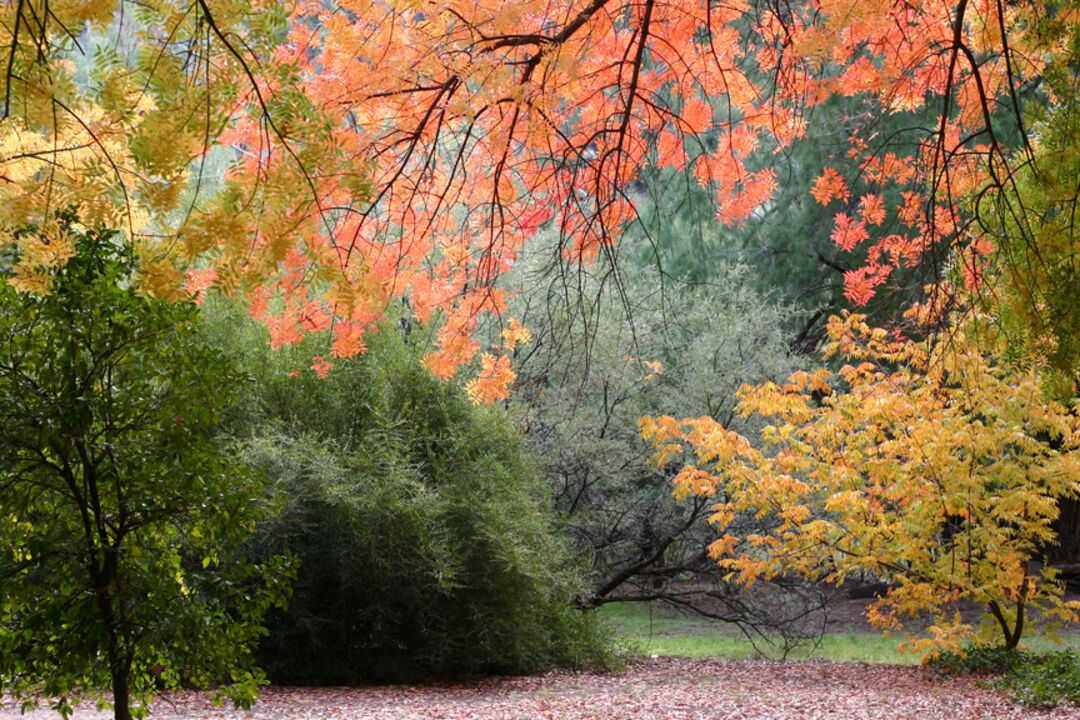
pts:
[931, 465]
[484, 119]
[388, 150]
[121, 112]
[123, 516]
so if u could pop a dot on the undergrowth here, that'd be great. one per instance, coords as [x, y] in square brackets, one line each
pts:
[1034, 679]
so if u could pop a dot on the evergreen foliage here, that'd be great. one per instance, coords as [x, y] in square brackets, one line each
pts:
[422, 526]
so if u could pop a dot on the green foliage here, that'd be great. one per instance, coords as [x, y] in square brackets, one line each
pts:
[1038, 680]
[1046, 680]
[979, 660]
[121, 516]
[422, 527]
[786, 241]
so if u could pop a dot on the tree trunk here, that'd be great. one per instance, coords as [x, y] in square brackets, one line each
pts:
[1018, 626]
[106, 581]
[1011, 634]
[121, 699]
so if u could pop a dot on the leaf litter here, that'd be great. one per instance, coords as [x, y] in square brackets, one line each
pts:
[657, 689]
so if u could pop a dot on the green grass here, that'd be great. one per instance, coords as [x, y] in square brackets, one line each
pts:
[665, 633]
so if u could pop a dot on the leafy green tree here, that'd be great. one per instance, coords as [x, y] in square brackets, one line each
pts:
[786, 240]
[121, 515]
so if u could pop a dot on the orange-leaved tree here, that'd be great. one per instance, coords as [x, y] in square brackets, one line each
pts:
[929, 465]
[401, 149]
[480, 121]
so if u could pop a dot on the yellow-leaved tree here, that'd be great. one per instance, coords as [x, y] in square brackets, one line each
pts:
[927, 464]
[125, 114]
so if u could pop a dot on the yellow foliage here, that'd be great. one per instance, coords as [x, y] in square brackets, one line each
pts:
[515, 334]
[494, 382]
[932, 465]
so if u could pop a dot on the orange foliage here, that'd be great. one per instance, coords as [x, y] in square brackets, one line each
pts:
[479, 121]
[413, 149]
[830, 185]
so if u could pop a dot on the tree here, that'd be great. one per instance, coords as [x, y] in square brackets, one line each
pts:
[122, 514]
[929, 464]
[384, 150]
[124, 115]
[788, 240]
[484, 120]
[579, 395]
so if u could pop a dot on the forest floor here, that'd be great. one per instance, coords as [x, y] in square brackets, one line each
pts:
[692, 668]
[668, 688]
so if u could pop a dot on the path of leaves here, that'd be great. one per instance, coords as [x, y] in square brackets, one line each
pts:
[668, 689]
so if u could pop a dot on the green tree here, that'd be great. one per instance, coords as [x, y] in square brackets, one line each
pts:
[121, 516]
[786, 240]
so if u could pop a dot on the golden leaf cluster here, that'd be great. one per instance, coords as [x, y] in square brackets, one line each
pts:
[931, 464]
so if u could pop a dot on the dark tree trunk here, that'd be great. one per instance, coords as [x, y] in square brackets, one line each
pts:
[120, 690]
[106, 580]
[1011, 635]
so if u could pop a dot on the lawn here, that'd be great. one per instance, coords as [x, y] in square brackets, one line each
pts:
[654, 630]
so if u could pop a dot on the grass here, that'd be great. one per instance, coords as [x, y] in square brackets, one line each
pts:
[662, 632]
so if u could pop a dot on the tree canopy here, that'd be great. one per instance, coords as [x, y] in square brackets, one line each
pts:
[388, 150]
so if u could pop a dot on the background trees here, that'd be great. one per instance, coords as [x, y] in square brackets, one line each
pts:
[123, 514]
[596, 363]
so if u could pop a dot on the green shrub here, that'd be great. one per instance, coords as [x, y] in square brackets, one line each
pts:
[1046, 680]
[1035, 680]
[423, 529]
[979, 660]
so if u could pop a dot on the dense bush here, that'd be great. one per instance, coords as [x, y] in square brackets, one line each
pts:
[979, 660]
[422, 528]
[1046, 680]
[1037, 680]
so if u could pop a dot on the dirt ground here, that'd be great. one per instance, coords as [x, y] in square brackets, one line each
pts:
[667, 688]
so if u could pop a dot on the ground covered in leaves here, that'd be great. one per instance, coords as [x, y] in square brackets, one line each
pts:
[668, 688]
